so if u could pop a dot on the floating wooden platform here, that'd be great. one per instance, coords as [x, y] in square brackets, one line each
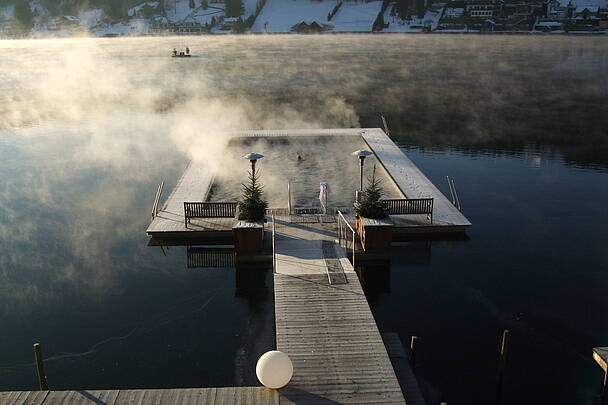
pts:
[324, 323]
[197, 179]
[413, 184]
[193, 185]
[194, 396]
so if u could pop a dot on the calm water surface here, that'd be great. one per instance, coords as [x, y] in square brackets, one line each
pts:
[88, 128]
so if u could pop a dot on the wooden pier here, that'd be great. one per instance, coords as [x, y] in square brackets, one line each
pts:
[323, 320]
[197, 179]
[413, 184]
[324, 323]
[187, 396]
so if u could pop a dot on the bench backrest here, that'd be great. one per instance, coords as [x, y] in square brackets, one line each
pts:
[402, 206]
[209, 209]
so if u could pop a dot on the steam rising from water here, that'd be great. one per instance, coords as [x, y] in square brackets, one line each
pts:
[89, 127]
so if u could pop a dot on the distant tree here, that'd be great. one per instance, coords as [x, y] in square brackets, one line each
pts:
[403, 7]
[421, 8]
[117, 8]
[234, 8]
[23, 15]
[205, 4]
[72, 6]
[379, 23]
[249, 22]
[191, 3]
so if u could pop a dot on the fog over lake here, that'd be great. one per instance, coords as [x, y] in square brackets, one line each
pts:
[89, 128]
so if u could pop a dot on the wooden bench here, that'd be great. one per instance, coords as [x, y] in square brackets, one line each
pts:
[405, 206]
[208, 210]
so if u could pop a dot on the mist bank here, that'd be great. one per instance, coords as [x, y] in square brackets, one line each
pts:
[435, 90]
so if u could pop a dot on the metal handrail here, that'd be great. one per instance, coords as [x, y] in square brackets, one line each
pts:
[274, 256]
[159, 191]
[455, 199]
[342, 235]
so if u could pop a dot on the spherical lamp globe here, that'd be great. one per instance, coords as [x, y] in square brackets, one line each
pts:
[274, 369]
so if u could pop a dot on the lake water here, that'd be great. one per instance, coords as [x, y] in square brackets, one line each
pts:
[89, 127]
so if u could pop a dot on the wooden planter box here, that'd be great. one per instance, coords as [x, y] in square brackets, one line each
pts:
[248, 237]
[375, 234]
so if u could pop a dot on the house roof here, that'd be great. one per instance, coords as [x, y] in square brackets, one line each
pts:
[592, 9]
[584, 3]
[549, 24]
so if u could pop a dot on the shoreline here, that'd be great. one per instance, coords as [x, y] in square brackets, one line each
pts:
[513, 33]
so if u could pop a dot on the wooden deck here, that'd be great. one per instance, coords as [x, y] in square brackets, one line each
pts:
[192, 186]
[400, 360]
[189, 396]
[327, 327]
[414, 184]
[408, 179]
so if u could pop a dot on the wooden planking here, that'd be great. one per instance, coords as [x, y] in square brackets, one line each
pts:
[410, 180]
[270, 133]
[407, 178]
[299, 246]
[331, 336]
[185, 396]
[400, 360]
[600, 355]
[23, 397]
[328, 330]
[192, 186]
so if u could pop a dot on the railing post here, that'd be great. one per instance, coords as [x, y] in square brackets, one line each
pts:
[42, 380]
[413, 348]
[504, 348]
[289, 197]
[353, 250]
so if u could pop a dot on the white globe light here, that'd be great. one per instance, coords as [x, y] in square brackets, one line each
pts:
[274, 369]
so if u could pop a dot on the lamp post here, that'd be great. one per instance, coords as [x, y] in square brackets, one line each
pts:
[362, 154]
[253, 158]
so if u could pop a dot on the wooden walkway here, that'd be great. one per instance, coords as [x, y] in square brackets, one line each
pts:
[189, 396]
[413, 184]
[192, 186]
[327, 327]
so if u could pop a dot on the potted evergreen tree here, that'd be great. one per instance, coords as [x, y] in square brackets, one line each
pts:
[249, 230]
[374, 227]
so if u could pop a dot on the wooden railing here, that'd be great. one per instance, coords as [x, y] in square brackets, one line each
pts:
[208, 210]
[405, 206]
[199, 257]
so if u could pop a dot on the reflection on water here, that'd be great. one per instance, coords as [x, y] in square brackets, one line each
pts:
[530, 264]
[89, 127]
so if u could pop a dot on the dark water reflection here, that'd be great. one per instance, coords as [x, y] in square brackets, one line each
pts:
[534, 264]
[88, 128]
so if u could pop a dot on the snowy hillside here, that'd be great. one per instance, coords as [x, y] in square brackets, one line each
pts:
[283, 15]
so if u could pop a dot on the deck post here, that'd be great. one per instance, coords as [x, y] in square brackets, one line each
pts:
[289, 197]
[600, 355]
[413, 347]
[42, 381]
[504, 348]
[604, 394]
